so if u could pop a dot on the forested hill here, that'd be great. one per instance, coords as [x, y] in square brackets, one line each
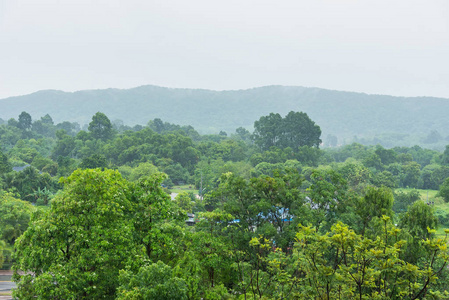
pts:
[391, 120]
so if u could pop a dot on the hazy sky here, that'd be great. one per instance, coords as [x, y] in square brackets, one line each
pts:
[396, 47]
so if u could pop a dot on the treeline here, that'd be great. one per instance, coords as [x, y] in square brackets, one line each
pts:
[276, 217]
[182, 153]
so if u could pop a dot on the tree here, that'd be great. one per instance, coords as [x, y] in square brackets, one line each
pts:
[76, 249]
[267, 131]
[28, 181]
[295, 130]
[244, 134]
[300, 130]
[185, 201]
[410, 176]
[5, 166]
[71, 128]
[145, 169]
[342, 264]
[64, 145]
[24, 121]
[47, 119]
[14, 217]
[155, 281]
[327, 195]
[445, 157]
[2, 259]
[376, 203]
[100, 126]
[152, 207]
[444, 190]
[402, 200]
[418, 222]
[93, 162]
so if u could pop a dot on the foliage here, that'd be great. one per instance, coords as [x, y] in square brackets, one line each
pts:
[28, 182]
[155, 281]
[93, 162]
[295, 130]
[2, 258]
[444, 190]
[14, 217]
[254, 200]
[420, 223]
[100, 127]
[76, 249]
[151, 207]
[376, 202]
[184, 201]
[402, 200]
[5, 166]
[344, 265]
[24, 121]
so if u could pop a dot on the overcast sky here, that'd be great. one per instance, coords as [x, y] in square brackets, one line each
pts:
[398, 47]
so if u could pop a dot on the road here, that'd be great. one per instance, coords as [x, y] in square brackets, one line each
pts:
[5, 284]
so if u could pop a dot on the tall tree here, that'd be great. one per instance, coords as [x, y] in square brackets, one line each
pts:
[295, 130]
[24, 121]
[100, 127]
[76, 249]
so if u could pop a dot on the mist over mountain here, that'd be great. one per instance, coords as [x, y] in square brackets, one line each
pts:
[349, 116]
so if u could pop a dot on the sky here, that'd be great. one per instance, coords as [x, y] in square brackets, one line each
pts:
[398, 47]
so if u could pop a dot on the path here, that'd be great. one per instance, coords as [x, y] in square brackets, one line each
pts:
[5, 284]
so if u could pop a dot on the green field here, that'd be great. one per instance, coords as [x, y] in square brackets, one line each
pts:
[440, 206]
[426, 195]
[184, 188]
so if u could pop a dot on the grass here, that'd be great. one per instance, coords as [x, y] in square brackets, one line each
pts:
[184, 188]
[431, 195]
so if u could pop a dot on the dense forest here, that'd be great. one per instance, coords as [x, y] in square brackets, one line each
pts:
[344, 117]
[112, 211]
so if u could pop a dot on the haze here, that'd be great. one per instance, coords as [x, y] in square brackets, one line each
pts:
[373, 46]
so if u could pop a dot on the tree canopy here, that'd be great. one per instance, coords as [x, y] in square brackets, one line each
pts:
[294, 131]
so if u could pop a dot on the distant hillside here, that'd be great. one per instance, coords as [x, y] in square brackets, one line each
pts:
[397, 120]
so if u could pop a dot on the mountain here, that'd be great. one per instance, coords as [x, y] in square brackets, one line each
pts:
[397, 120]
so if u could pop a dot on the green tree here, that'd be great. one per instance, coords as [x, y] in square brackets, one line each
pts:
[28, 181]
[2, 259]
[14, 217]
[402, 200]
[76, 249]
[5, 166]
[65, 145]
[418, 222]
[375, 203]
[267, 131]
[152, 207]
[142, 170]
[410, 176]
[184, 200]
[445, 157]
[100, 127]
[295, 130]
[327, 195]
[93, 162]
[444, 190]
[299, 130]
[24, 121]
[342, 264]
[155, 281]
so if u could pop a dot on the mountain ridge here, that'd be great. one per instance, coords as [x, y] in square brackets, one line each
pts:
[340, 113]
